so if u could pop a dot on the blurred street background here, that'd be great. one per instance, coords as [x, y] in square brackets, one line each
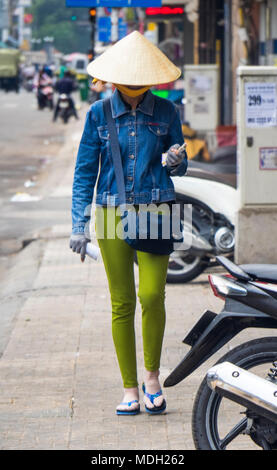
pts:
[227, 99]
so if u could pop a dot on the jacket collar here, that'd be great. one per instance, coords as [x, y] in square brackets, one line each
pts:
[119, 107]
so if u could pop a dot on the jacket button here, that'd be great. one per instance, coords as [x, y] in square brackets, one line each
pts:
[132, 156]
[133, 134]
[130, 178]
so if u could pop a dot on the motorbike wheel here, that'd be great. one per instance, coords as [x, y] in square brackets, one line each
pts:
[40, 104]
[218, 422]
[184, 266]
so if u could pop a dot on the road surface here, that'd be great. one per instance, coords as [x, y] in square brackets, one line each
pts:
[30, 146]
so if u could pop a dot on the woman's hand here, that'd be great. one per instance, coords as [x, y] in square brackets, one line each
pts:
[78, 243]
[175, 155]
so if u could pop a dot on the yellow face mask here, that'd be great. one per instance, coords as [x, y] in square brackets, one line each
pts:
[132, 93]
[124, 89]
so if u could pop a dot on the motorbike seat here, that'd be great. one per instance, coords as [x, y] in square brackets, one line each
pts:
[261, 272]
[222, 173]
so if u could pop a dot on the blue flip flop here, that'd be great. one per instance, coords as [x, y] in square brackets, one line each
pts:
[156, 409]
[126, 412]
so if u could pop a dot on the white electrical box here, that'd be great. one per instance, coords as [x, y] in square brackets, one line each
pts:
[202, 96]
[257, 135]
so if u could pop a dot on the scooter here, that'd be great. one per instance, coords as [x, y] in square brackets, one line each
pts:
[235, 408]
[65, 110]
[45, 97]
[210, 189]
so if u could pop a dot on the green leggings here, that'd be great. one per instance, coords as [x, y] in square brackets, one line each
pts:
[118, 258]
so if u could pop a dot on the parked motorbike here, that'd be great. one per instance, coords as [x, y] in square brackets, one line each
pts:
[210, 188]
[235, 407]
[65, 110]
[45, 97]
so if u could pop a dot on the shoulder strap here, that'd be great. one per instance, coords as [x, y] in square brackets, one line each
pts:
[115, 150]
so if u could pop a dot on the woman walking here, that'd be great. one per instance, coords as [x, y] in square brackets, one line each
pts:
[147, 126]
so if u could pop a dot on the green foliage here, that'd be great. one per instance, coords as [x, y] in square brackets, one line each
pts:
[52, 18]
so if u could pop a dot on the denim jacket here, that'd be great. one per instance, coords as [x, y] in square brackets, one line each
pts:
[144, 134]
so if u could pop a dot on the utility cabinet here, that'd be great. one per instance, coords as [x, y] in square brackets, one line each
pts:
[256, 221]
[257, 135]
[202, 96]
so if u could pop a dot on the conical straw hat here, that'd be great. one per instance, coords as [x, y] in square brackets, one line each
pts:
[134, 61]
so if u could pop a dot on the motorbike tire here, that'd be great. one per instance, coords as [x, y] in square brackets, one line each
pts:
[207, 402]
[193, 266]
[190, 266]
[184, 277]
[189, 275]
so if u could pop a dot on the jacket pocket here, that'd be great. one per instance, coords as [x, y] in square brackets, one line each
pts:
[158, 129]
[103, 133]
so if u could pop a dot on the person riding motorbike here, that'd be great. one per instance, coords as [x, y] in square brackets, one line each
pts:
[41, 81]
[65, 86]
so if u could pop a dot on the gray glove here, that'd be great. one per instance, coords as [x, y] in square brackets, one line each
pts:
[78, 243]
[173, 157]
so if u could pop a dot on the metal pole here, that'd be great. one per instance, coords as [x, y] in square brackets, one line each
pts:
[20, 25]
[268, 33]
[195, 42]
[228, 82]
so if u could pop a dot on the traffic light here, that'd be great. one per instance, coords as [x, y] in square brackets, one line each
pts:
[92, 19]
[90, 54]
[92, 15]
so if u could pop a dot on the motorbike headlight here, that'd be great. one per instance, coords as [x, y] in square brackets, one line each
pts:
[224, 286]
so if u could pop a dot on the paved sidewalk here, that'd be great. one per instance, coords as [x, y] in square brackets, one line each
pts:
[60, 381]
[59, 378]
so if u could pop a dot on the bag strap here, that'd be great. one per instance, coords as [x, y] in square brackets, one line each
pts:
[115, 150]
